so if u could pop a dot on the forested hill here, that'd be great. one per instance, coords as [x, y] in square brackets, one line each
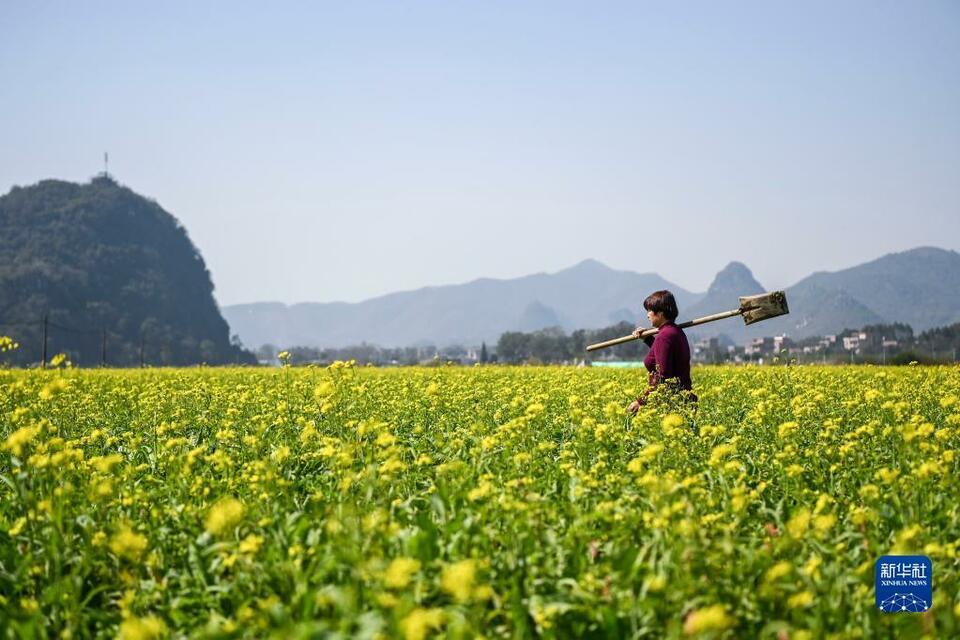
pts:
[114, 273]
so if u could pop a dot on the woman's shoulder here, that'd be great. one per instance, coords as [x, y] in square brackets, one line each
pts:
[672, 333]
[671, 329]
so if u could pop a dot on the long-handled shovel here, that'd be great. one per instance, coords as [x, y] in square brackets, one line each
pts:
[752, 308]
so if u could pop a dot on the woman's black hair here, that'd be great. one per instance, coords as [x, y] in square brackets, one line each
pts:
[662, 302]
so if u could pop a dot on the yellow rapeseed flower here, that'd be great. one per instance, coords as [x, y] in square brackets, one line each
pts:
[29, 605]
[392, 465]
[421, 622]
[17, 527]
[823, 523]
[251, 544]
[778, 571]
[224, 516]
[280, 454]
[385, 439]
[812, 566]
[148, 628]
[672, 421]
[869, 492]
[797, 525]
[712, 618]
[324, 390]
[861, 515]
[522, 459]
[105, 464]
[655, 584]
[800, 600]
[906, 539]
[387, 600]
[645, 455]
[19, 439]
[458, 578]
[58, 360]
[399, 572]
[52, 389]
[480, 492]
[887, 476]
[720, 452]
[787, 428]
[127, 543]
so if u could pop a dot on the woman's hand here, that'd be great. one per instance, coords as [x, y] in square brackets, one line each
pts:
[634, 406]
[638, 331]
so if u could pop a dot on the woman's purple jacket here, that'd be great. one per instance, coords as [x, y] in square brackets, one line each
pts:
[669, 356]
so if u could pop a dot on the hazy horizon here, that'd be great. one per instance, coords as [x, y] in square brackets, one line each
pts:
[324, 152]
[664, 276]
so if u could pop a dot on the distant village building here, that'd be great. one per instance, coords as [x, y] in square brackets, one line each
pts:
[854, 341]
[824, 343]
[708, 351]
[767, 346]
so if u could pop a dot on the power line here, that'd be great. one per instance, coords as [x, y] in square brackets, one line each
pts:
[74, 329]
[24, 325]
[46, 325]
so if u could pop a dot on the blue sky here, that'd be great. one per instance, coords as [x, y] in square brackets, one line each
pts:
[336, 151]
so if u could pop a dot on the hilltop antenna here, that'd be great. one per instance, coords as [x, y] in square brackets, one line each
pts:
[106, 164]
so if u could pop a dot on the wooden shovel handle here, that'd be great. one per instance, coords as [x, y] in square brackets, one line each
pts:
[616, 341]
[653, 332]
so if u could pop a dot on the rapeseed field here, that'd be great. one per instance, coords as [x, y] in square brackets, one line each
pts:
[347, 502]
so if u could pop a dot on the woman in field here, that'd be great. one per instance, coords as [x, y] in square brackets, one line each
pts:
[669, 358]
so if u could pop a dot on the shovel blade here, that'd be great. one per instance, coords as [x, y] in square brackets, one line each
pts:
[763, 306]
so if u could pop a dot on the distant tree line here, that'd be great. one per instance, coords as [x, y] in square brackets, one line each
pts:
[373, 354]
[941, 339]
[550, 345]
[553, 345]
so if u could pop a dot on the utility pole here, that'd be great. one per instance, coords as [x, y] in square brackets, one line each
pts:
[883, 342]
[43, 357]
[141, 349]
[103, 349]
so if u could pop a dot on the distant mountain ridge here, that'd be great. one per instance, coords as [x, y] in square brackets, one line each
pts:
[588, 294]
[918, 287]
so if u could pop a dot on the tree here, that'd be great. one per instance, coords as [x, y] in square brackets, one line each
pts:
[513, 347]
[549, 345]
